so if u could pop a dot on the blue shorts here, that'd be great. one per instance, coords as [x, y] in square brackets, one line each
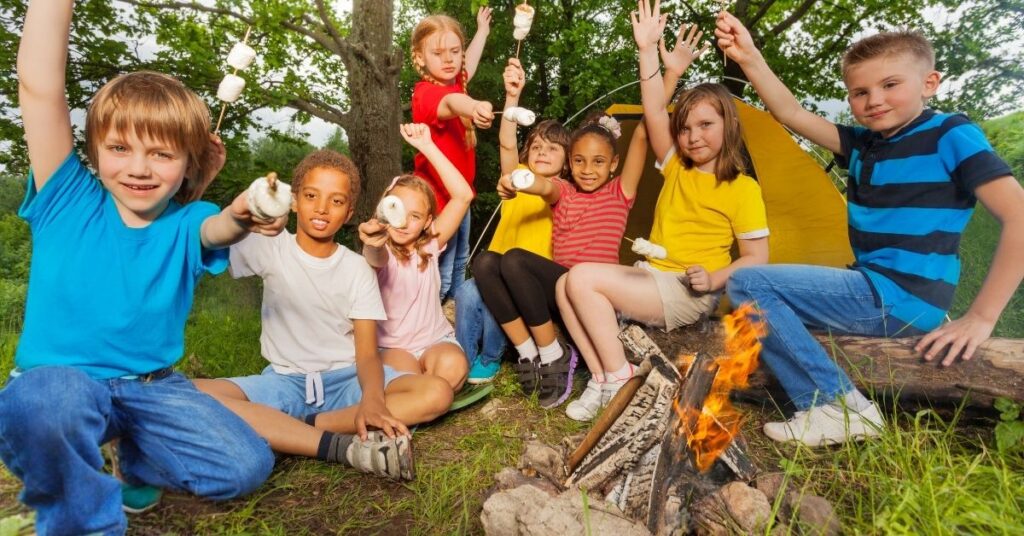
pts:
[287, 392]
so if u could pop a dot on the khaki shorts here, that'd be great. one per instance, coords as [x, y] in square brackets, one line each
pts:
[682, 306]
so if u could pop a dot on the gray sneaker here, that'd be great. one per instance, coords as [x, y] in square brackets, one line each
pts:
[383, 456]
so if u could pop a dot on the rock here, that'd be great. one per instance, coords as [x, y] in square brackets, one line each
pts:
[500, 514]
[510, 478]
[547, 461]
[771, 485]
[735, 507]
[491, 408]
[814, 514]
[527, 511]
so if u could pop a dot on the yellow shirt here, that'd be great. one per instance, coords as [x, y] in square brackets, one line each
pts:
[525, 223]
[697, 217]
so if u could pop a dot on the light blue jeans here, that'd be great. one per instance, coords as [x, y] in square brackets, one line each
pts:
[453, 260]
[54, 419]
[793, 298]
[475, 327]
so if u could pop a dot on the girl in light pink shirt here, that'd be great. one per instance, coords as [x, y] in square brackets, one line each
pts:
[417, 337]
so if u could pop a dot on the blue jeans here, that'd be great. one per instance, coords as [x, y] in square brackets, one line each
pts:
[793, 298]
[475, 327]
[53, 420]
[453, 260]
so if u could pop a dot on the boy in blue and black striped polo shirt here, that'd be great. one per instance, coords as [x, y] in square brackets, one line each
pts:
[914, 178]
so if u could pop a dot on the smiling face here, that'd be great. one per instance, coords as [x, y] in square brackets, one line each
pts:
[322, 205]
[545, 158]
[441, 56]
[593, 160]
[141, 174]
[888, 92]
[417, 215]
[701, 136]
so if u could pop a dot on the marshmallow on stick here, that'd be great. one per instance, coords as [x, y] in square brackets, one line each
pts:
[521, 24]
[230, 88]
[240, 58]
[522, 178]
[391, 212]
[521, 116]
[269, 198]
[642, 246]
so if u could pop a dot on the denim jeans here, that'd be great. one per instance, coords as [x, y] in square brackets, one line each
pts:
[53, 420]
[475, 328]
[793, 298]
[453, 260]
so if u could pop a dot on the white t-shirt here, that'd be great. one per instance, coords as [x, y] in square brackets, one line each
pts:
[308, 302]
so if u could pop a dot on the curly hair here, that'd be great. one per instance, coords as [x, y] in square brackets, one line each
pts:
[591, 126]
[328, 159]
[428, 27]
[419, 185]
[550, 131]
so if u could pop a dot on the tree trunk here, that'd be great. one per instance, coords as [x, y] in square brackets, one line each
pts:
[375, 111]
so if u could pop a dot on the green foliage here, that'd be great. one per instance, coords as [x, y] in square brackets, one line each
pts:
[1009, 431]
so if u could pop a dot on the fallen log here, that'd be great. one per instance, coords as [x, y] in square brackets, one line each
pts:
[888, 367]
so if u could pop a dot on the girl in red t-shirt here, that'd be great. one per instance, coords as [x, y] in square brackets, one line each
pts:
[523, 289]
[440, 101]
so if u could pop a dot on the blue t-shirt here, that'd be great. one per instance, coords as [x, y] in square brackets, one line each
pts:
[103, 297]
[910, 197]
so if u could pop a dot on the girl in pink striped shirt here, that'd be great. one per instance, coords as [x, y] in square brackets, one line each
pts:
[522, 289]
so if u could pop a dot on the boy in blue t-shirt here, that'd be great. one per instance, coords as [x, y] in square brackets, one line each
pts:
[116, 257]
[914, 178]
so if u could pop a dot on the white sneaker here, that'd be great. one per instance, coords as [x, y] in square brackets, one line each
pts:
[588, 404]
[383, 456]
[827, 424]
[609, 390]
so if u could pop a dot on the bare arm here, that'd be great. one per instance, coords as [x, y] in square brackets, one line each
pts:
[1004, 198]
[374, 236]
[544, 187]
[370, 372]
[515, 79]
[736, 43]
[447, 222]
[42, 58]
[752, 253]
[636, 155]
[233, 223]
[475, 50]
[462, 105]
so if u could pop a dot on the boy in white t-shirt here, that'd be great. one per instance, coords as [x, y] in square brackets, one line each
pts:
[320, 310]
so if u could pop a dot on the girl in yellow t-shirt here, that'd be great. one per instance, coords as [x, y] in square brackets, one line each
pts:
[525, 223]
[705, 205]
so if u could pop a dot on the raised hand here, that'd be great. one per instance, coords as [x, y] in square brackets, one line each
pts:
[686, 49]
[239, 210]
[514, 77]
[483, 114]
[648, 24]
[483, 19]
[216, 155]
[734, 39]
[417, 135]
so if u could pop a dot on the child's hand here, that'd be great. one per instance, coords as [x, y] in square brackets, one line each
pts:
[417, 135]
[700, 279]
[374, 413]
[483, 20]
[483, 114]
[735, 40]
[515, 78]
[373, 233]
[216, 155]
[963, 334]
[648, 24]
[505, 188]
[685, 51]
[239, 210]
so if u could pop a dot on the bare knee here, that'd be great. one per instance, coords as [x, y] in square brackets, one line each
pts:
[582, 279]
[436, 396]
[220, 389]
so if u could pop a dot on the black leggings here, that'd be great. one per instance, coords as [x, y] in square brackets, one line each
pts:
[518, 283]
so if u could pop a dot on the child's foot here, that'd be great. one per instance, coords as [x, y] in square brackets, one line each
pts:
[383, 456]
[483, 372]
[827, 424]
[588, 404]
[554, 380]
[526, 373]
[139, 499]
[609, 390]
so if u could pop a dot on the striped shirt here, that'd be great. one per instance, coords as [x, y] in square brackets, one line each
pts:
[587, 227]
[909, 199]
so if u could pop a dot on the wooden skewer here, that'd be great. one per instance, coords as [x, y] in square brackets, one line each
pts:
[224, 105]
[722, 4]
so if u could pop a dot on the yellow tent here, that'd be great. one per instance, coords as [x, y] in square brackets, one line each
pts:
[806, 213]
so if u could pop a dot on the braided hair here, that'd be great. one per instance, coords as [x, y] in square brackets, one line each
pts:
[428, 27]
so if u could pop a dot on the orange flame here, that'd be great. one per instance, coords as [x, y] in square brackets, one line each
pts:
[710, 430]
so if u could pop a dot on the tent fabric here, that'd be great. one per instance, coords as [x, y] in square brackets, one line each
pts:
[806, 212]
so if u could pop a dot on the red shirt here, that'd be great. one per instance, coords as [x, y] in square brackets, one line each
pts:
[448, 134]
[587, 227]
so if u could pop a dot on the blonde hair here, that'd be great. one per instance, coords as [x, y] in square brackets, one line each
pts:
[730, 161]
[907, 42]
[402, 254]
[427, 27]
[157, 106]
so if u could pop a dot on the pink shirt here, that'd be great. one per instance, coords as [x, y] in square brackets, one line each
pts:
[412, 301]
[587, 227]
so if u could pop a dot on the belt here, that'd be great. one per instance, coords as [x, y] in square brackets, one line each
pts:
[150, 376]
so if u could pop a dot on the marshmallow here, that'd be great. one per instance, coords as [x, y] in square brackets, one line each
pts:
[269, 198]
[523, 17]
[522, 116]
[241, 56]
[520, 33]
[230, 88]
[649, 249]
[391, 212]
[522, 178]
